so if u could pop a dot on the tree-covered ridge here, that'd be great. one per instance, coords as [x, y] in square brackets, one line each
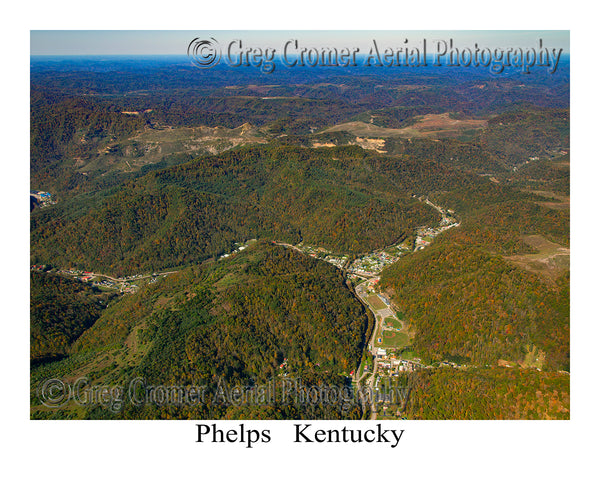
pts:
[468, 296]
[60, 311]
[496, 218]
[279, 305]
[343, 198]
[488, 394]
[464, 302]
[516, 135]
[65, 130]
[232, 322]
[501, 227]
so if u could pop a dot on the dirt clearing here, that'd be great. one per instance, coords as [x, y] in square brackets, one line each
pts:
[551, 261]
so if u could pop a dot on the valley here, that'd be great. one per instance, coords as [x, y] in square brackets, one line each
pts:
[404, 238]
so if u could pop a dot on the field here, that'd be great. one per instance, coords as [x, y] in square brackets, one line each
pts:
[376, 302]
[391, 339]
[392, 334]
[426, 126]
[555, 200]
[393, 323]
[551, 261]
[167, 145]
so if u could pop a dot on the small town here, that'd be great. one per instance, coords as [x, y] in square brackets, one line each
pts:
[124, 285]
[390, 351]
[375, 262]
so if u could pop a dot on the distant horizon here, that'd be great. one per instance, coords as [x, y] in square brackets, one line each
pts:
[175, 42]
[183, 55]
[506, 64]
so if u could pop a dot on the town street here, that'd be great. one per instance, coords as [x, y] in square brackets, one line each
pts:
[424, 236]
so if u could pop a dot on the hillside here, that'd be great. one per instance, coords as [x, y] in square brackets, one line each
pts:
[61, 310]
[99, 122]
[469, 305]
[494, 290]
[488, 394]
[231, 323]
[344, 199]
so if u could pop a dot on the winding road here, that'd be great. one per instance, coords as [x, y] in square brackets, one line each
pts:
[380, 315]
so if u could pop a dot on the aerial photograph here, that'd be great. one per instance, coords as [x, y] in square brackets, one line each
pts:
[299, 225]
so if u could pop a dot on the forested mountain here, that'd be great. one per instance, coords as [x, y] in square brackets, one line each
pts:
[157, 166]
[61, 310]
[86, 112]
[494, 288]
[519, 134]
[465, 303]
[345, 199]
[488, 394]
[228, 324]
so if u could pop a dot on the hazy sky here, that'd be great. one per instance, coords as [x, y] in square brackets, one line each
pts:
[160, 42]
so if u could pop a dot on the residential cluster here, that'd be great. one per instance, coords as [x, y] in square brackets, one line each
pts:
[392, 364]
[43, 198]
[337, 261]
[374, 263]
[238, 247]
[124, 285]
[425, 235]
[323, 254]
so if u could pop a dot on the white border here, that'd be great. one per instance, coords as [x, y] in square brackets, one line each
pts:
[429, 449]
